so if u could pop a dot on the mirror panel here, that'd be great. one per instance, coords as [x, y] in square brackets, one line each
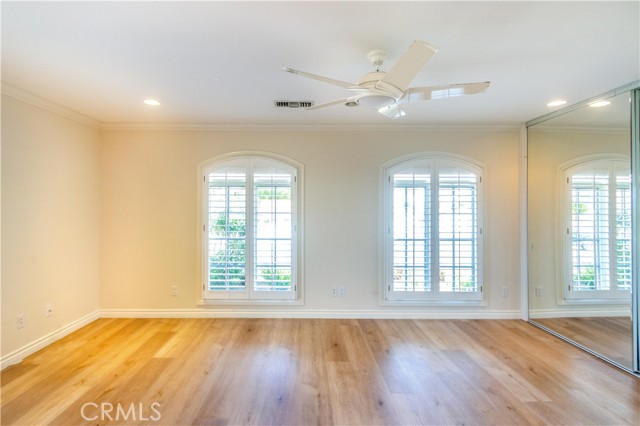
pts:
[579, 226]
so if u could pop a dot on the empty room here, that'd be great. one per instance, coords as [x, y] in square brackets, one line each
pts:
[327, 213]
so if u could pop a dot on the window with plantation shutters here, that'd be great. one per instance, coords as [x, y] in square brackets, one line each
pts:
[250, 229]
[598, 230]
[432, 230]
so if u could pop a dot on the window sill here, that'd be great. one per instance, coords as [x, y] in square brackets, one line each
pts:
[216, 303]
[619, 301]
[441, 303]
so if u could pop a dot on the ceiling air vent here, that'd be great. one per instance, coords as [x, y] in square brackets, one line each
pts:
[292, 104]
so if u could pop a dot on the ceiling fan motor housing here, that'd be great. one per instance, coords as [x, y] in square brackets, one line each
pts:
[370, 79]
[377, 94]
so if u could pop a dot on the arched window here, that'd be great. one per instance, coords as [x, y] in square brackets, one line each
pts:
[250, 228]
[432, 230]
[597, 218]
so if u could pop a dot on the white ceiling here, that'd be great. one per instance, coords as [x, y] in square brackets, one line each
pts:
[219, 63]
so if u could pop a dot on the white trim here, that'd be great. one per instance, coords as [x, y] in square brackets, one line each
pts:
[51, 106]
[565, 173]
[310, 127]
[420, 155]
[47, 105]
[297, 233]
[584, 130]
[329, 314]
[575, 313]
[524, 238]
[19, 354]
[433, 159]
[222, 303]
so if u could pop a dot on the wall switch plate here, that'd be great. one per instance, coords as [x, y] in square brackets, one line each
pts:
[504, 291]
[48, 310]
[174, 290]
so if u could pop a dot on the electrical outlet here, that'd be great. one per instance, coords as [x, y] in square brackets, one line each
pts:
[338, 291]
[20, 321]
[539, 291]
[174, 290]
[48, 310]
[504, 291]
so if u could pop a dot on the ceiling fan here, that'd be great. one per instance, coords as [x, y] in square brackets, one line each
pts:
[387, 91]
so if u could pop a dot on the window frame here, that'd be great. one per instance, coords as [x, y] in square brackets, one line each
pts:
[249, 296]
[612, 163]
[436, 161]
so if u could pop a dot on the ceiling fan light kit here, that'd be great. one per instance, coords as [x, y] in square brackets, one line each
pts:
[387, 91]
[376, 101]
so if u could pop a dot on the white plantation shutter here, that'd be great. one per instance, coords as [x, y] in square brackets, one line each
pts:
[411, 231]
[623, 227]
[599, 230]
[590, 230]
[250, 229]
[458, 230]
[273, 229]
[433, 226]
[227, 229]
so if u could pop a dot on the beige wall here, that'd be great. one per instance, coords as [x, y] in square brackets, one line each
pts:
[150, 202]
[50, 221]
[106, 221]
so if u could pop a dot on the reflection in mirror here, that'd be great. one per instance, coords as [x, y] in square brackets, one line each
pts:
[579, 227]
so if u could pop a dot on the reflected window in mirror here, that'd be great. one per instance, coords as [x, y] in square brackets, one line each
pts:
[598, 219]
[582, 165]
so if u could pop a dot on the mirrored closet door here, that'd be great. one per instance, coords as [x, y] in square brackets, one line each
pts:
[581, 215]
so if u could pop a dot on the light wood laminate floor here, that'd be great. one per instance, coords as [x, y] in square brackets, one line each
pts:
[611, 337]
[309, 371]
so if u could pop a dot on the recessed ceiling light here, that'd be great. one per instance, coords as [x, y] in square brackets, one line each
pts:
[556, 103]
[597, 104]
[151, 102]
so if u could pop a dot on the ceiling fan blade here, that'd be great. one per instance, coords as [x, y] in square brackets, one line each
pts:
[330, 103]
[320, 78]
[443, 92]
[392, 111]
[408, 66]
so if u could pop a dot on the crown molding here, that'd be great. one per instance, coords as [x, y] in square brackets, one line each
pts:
[48, 105]
[542, 128]
[63, 111]
[308, 127]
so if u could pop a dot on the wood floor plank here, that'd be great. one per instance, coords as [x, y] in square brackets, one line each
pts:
[116, 380]
[78, 367]
[62, 354]
[200, 354]
[311, 390]
[609, 336]
[316, 372]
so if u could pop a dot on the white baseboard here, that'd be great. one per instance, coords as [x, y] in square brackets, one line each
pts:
[19, 354]
[579, 313]
[349, 314]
